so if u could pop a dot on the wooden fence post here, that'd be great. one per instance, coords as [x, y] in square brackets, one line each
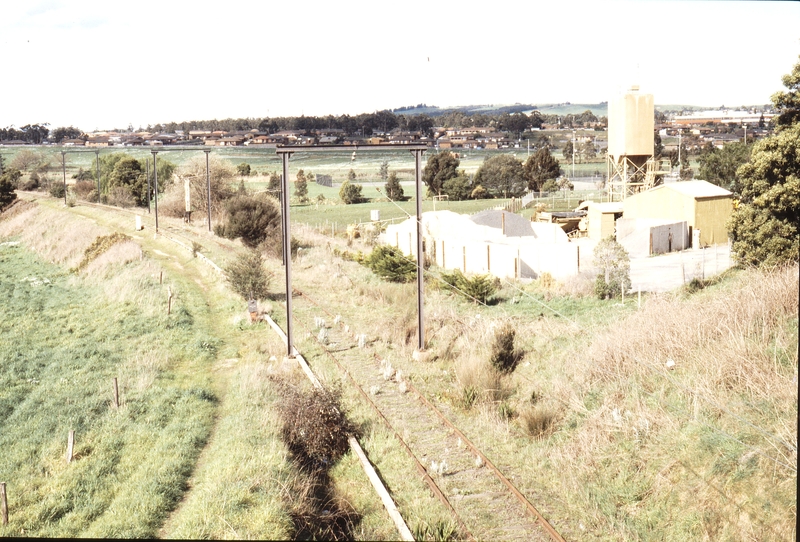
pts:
[70, 444]
[116, 393]
[169, 300]
[161, 277]
[3, 504]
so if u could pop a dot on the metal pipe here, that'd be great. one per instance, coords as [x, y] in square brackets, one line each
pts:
[208, 188]
[155, 184]
[420, 268]
[287, 250]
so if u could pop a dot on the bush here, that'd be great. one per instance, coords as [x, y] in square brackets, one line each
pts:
[390, 264]
[83, 189]
[56, 190]
[12, 177]
[7, 194]
[614, 264]
[120, 196]
[350, 193]
[243, 169]
[247, 275]
[251, 218]
[504, 356]
[314, 427]
[479, 288]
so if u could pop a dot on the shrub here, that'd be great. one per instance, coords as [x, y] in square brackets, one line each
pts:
[57, 190]
[505, 356]
[390, 264]
[350, 193]
[247, 275]
[614, 264]
[119, 196]
[315, 427]
[479, 288]
[243, 169]
[479, 192]
[7, 195]
[12, 176]
[82, 189]
[251, 218]
[394, 191]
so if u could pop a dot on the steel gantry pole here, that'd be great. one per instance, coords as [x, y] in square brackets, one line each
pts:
[64, 170]
[155, 185]
[97, 171]
[208, 188]
[420, 261]
[287, 249]
[149, 190]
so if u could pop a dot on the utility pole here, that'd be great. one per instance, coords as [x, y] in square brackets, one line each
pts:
[64, 170]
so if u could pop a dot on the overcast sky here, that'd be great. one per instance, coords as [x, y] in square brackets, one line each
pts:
[101, 64]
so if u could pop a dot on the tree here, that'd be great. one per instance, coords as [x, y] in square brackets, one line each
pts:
[351, 175]
[221, 174]
[28, 160]
[301, 187]
[7, 194]
[384, 170]
[502, 175]
[764, 225]
[393, 189]
[587, 149]
[540, 167]
[719, 166]
[458, 188]
[62, 133]
[687, 172]
[439, 168]
[350, 193]
[251, 218]
[614, 264]
[129, 174]
[243, 169]
[274, 184]
[390, 264]
[787, 104]
[568, 151]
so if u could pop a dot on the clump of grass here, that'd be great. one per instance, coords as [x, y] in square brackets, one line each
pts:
[537, 420]
[479, 381]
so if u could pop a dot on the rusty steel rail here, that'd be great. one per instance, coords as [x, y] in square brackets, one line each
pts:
[551, 531]
[422, 470]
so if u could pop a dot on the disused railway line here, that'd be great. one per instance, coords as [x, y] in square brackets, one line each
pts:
[489, 505]
[465, 455]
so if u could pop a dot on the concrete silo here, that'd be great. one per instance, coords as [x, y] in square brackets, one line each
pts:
[630, 164]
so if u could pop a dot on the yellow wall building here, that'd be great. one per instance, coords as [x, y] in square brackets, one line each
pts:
[704, 206]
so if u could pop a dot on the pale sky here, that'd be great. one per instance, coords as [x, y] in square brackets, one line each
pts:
[100, 64]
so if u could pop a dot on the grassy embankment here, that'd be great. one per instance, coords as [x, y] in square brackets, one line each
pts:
[65, 335]
[605, 436]
[198, 405]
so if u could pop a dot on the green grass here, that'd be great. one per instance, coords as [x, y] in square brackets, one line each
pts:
[61, 342]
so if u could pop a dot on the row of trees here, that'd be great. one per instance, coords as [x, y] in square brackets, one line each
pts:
[501, 175]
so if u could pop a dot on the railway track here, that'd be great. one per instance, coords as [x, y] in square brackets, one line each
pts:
[482, 500]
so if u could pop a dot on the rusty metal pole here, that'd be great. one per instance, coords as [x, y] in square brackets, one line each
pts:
[287, 249]
[155, 184]
[208, 187]
[420, 260]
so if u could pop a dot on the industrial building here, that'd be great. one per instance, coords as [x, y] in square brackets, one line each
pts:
[704, 207]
